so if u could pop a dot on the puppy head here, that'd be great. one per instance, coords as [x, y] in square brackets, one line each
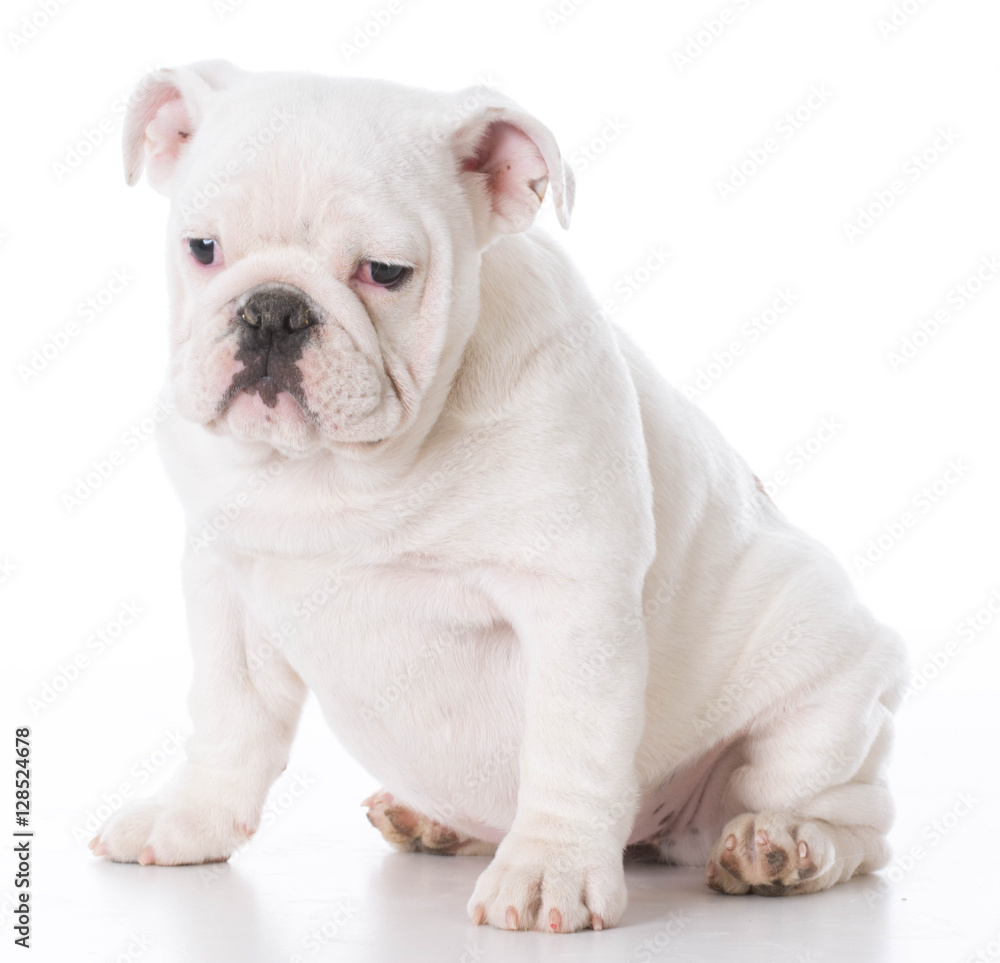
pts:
[324, 242]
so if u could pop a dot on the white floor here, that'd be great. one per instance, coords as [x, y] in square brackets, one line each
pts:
[318, 883]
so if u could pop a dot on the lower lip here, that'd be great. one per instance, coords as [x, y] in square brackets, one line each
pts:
[249, 404]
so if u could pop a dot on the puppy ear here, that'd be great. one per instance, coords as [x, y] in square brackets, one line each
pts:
[512, 159]
[164, 112]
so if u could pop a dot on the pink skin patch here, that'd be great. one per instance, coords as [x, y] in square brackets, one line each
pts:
[248, 414]
[167, 133]
[690, 798]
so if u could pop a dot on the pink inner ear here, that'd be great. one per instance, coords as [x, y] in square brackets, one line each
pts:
[515, 170]
[166, 134]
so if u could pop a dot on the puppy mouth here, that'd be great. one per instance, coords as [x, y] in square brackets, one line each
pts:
[274, 322]
[267, 378]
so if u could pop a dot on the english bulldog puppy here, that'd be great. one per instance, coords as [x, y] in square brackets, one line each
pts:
[536, 593]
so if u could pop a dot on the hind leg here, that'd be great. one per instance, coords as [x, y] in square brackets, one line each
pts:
[410, 832]
[812, 801]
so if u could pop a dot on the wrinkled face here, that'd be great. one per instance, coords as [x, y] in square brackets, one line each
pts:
[312, 282]
[324, 243]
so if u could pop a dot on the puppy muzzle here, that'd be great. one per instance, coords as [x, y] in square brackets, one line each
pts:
[275, 322]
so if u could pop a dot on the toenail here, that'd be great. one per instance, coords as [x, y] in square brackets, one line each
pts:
[596, 922]
[731, 842]
[803, 850]
[555, 920]
[511, 918]
[479, 915]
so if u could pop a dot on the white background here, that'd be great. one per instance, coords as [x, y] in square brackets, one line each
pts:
[651, 138]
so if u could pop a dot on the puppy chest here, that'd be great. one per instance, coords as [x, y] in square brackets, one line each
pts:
[413, 669]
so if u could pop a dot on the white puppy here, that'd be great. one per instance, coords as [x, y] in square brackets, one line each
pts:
[534, 590]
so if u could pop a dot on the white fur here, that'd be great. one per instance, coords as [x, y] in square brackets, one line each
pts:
[536, 593]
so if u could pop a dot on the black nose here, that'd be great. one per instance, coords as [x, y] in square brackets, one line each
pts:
[277, 311]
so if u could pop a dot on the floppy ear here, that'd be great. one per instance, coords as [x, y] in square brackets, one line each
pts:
[512, 159]
[164, 112]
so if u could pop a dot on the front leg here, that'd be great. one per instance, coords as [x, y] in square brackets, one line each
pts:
[245, 702]
[559, 869]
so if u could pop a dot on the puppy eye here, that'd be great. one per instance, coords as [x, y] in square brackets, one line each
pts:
[384, 274]
[203, 249]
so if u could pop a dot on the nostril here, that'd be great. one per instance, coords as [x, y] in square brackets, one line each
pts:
[299, 318]
[249, 316]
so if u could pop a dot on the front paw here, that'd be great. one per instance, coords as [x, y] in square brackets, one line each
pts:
[541, 885]
[149, 832]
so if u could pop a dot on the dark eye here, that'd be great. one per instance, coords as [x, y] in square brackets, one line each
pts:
[203, 249]
[386, 273]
